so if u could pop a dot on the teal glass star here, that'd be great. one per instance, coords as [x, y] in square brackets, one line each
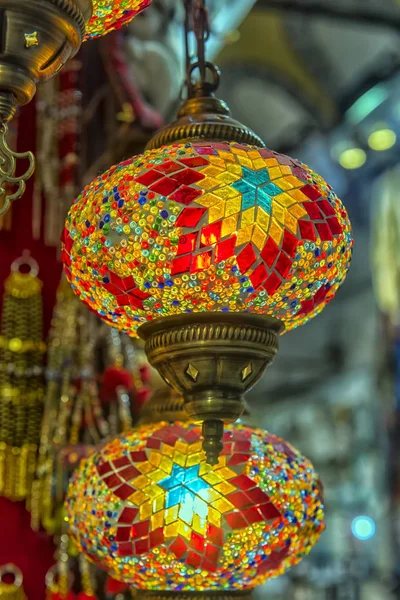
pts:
[256, 188]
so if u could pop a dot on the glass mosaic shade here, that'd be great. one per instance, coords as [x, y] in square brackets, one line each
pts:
[148, 509]
[112, 14]
[207, 227]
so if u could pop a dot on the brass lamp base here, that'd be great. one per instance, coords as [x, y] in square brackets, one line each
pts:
[212, 360]
[193, 595]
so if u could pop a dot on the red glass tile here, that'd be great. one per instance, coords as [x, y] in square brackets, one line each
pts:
[267, 153]
[225, 249]
[307, 231]
[178, 547]
[283, 265]
[181, 264]
[313, 210]
[326, 208]
[187, 243]
[258, 276]
[142, 546]
[165, 186]
[238, 499]
[311, 191]
[246, 258]
[125, 549]
[123, 300]
[113, 289]
[207, 565]
[212, 553]
[197, 542]
[123, 461]
[335, 226]
[206, 150]
[227, 449]
[273, 561]
[188, 177]
[238, 459]
[289, 243]
[252, 515]
[190, 437]
[197, 161]
[235, 520]
[190, 217]
[152, 443]
[104, 468]
[128, 515]
[129, 473]
[201, 262]
[123, 534]
[185, 195]
[257, 496]
[149, 177]
[210, 234]
[128, 283]
[156, 537]
[124, 491]
[193, 559]
[324, 232]
[139, 456]
[133, 301]
[242, 482]
[306, 307]
[140, 529]
[112, 481]
[320, 295]
[169, 167]
[139, 294]
[269, 511]
[270, 252]
[272, 284]
[170, 439]
[215, 535]
[242, 446]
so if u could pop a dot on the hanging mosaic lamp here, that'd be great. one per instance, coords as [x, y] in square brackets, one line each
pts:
[38, 38]
[149, 510]
[208, 246]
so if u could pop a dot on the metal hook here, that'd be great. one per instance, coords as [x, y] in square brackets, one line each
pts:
[8, 160]
[26, 259]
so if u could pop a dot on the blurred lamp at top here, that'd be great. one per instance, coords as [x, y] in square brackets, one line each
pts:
[109, 15]
[363, 528]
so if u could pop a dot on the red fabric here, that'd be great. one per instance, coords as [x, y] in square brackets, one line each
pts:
[31, 552]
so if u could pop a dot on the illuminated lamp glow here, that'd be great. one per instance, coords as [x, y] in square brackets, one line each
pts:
[363, 528]
[352, 158]
[382, 139]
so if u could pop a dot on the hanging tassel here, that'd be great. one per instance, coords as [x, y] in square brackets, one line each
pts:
[11, 583]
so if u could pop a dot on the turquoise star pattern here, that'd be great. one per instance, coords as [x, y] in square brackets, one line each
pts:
[256, 188]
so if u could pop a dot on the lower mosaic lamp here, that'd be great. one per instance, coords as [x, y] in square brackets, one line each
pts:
[149, 510]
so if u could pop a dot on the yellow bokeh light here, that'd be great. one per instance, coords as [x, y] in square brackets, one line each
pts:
[382, 139]
[352, 158]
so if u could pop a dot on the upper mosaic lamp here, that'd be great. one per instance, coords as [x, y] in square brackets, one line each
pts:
[108, 15]
[207, 226]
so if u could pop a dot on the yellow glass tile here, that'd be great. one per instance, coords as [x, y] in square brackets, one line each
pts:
[141, 482]
[278, 213]
[214, 517]
[204, 468]
[245, 162]
[196, 447]
[291, 222]
[284, 199]
[222, 461]
[284, 184]
[275, 232]
[155, 458]
[271, 162]
[298, 211]
[229, 225]
[228, 178]
[144, 467]
[166, 464]
[168, 450]
[212, 171]
[274, 172]
[247, 217]
[213, 478]
[286, 170]
[146, 510]
[216, 212]
[298, 196]
[179, 458]
[153, 491]
[171, 531]
[171, 514]
[259, 237]
[235, 169]
[226, 155]
[157, 520]
[238, 151]
[138, 498]
[199, 525]
[259, 163]
[225, 192]
[254, 154]
[294, 181]
[157, 475]
[181, 446]
[225, 488]
[226, 473]
[209, 495]
[223, 505]
[233, 206]
[207, 199]
[184, 530]
[262, 219]
[216, 160]
[244, 235]
[158, 503]
[208, 183]
[193, 459]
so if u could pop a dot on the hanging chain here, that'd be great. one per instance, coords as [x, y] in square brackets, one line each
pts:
[196, 20]
[201, 29]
